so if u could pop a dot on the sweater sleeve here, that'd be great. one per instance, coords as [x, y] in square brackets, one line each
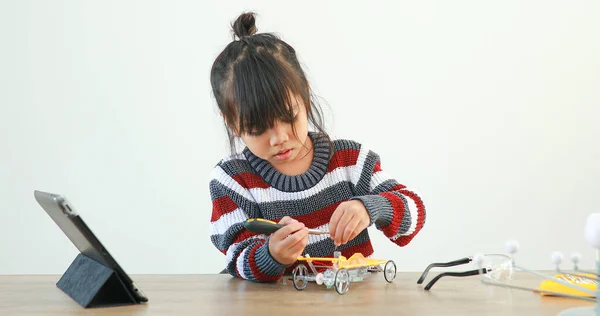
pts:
[395, 210]
[246, 254]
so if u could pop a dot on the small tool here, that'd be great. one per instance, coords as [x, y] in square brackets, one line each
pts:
[264, 226]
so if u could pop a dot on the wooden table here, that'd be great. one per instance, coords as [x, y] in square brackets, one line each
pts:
[224, 295]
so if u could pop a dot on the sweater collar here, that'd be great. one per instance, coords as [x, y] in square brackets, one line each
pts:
[304, 181]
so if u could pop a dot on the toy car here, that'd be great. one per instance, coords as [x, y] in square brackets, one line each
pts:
[341, 273]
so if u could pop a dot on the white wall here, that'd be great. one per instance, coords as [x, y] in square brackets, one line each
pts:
[488, 109]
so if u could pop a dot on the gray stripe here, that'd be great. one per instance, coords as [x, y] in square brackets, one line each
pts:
[261, 165]
[266, 263]
[233, 167]
[341, 191]
[363, 184]
[303, 182]
[379, 208]
[385, 186]
[321, 166]
[269, 176]
[343, 144]
[326, 247]
[218, 190]
[231, 265]
[279, 183]
[224, 240]
[406, 219]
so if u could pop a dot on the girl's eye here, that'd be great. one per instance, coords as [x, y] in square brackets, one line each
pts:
[255, 133]
[294, 119]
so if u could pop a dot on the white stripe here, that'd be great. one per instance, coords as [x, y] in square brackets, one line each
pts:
[360, 163]
[221, 225]
[223, 178]
[378, 178]
[317, 238]
[271, 194]
[240, 263]
[412, 207]
[230, 252]
[236, 156]
[233, 247]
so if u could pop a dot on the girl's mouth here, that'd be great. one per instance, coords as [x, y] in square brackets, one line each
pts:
[284, 154]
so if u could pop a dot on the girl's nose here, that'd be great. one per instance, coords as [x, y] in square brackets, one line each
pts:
[279, 134]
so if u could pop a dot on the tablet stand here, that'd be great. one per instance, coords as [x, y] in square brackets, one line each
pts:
[92, 284]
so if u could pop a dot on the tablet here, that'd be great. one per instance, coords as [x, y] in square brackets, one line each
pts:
[64, 215]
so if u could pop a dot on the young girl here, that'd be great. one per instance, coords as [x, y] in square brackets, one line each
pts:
[291, 175]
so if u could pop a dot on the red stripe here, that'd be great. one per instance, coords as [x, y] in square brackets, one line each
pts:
[317, 218]
[398, 187]
[222, 206]
[391, 229]
[343, 158]
[258, 274]
[250, 180]
[377, 167]
[252, 263]
[404, 240]
[243, 235]
[365, 248]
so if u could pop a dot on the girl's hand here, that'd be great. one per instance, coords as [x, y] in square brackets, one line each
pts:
[288, 243]
[347, 221]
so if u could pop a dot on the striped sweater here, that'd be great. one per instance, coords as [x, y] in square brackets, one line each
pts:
[244, 186]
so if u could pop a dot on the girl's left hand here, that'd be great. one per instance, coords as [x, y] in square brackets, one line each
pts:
[347, 221]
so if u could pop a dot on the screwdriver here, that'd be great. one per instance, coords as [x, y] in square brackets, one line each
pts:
[264, 226]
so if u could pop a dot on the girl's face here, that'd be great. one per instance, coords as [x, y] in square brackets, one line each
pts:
[279, 146]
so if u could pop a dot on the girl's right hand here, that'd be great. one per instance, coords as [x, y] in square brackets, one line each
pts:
[288, 243]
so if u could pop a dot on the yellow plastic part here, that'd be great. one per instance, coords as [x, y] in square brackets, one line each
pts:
[260, 220]
[586, 283]
[357, 260]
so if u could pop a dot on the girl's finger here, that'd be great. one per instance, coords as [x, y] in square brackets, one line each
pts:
[350, 231]
[335, 218]
[286, 230]
[341, 227]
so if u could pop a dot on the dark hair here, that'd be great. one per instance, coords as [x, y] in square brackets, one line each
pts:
[253, 80]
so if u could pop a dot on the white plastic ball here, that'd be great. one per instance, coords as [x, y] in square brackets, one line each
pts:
[575, 257]
[478, 259]
[319, 278]
[557, 258]
[512, 246]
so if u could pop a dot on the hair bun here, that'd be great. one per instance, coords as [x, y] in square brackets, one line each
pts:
[244, 25]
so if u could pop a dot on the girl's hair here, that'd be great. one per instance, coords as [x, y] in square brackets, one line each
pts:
[256, 78]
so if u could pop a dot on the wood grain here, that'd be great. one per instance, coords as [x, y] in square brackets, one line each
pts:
[224, 295]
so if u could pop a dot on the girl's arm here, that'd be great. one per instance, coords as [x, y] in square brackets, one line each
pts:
[247, 254]
[395, 210]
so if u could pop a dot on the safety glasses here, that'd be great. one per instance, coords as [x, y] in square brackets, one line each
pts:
[497, 267]
[498, 270]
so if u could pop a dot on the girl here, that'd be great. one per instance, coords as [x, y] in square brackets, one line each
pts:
[286, 173]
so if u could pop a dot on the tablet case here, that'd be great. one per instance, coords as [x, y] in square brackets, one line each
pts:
[92, 284]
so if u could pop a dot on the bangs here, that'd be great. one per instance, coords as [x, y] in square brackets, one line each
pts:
[263, 90]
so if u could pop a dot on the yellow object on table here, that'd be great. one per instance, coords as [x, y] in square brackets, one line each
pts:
[581, 280]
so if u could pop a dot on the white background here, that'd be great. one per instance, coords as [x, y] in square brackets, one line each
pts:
[488, 109]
